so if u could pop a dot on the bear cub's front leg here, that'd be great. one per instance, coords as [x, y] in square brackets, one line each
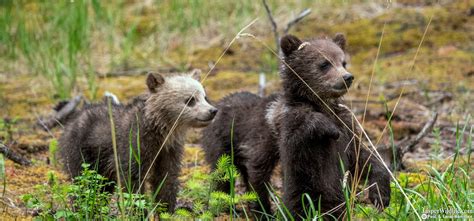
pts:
[311, 125]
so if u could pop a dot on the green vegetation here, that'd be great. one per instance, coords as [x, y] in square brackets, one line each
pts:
[206, 201]
[68, 42]
[7, 129]
[432, 189]
[85, 198]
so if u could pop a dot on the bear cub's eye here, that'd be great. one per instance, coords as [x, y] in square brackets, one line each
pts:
[191, 101]
[325, 65]
[344, 63]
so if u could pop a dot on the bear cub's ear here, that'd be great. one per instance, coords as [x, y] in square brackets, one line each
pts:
[340, 40]
[154, 80]
[196, 74]
[289, 43]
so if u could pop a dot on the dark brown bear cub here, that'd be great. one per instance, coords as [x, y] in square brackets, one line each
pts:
[317, 139]
[304, 127]
[143, 129]
[255, 147]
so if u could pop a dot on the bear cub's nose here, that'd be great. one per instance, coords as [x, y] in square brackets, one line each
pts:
[348, 78]
[213, 112]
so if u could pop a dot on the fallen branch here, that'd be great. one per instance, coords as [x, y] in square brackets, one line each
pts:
[387, 98]
[61, 114]
[137, 72]
[407, 145]
[398, 84]
[446, 96]
[14, 156]
[395, 157]
[410, 145]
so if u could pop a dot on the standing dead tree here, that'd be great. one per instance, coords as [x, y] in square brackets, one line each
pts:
[289, 25]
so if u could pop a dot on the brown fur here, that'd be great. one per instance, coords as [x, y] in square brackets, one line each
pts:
[299, 128]
[255, 148]
[143, 124]
[314, 138]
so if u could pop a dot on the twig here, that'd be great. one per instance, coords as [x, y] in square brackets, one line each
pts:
[61, 114]
[274, 26]
[298, 18]
[14, 156]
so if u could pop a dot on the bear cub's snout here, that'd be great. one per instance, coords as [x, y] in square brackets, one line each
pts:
[212, 113]
[345, 83]
[348, 78]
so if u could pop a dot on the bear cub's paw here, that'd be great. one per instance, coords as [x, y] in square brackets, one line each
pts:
[380, 202]
[325, 128]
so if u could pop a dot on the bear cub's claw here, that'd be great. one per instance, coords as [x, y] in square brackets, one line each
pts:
[376, 200]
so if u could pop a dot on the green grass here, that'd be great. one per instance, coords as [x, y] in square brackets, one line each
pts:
[69, 42]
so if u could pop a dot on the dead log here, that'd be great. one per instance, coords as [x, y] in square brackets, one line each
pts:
[9, 154]
[61, 114]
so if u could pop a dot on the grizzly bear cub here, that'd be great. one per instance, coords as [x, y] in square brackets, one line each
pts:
[152, 126]
[255, 147]
[304, 127]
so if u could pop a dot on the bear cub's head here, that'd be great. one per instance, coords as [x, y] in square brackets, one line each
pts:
[183, 94]
[321, 63]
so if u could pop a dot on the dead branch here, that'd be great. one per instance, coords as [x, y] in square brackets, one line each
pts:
[136, 72]
[410, 145]
[289, 25]
[399, 84]
[387, 99]
[14, 156]
[406, 145]
[274, 26]
[61, 114]
[120, 73]
[297, 19]
[446, 96]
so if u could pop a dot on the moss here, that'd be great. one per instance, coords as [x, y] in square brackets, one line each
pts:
[226, 82]
[411, 179]
[125, 87]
